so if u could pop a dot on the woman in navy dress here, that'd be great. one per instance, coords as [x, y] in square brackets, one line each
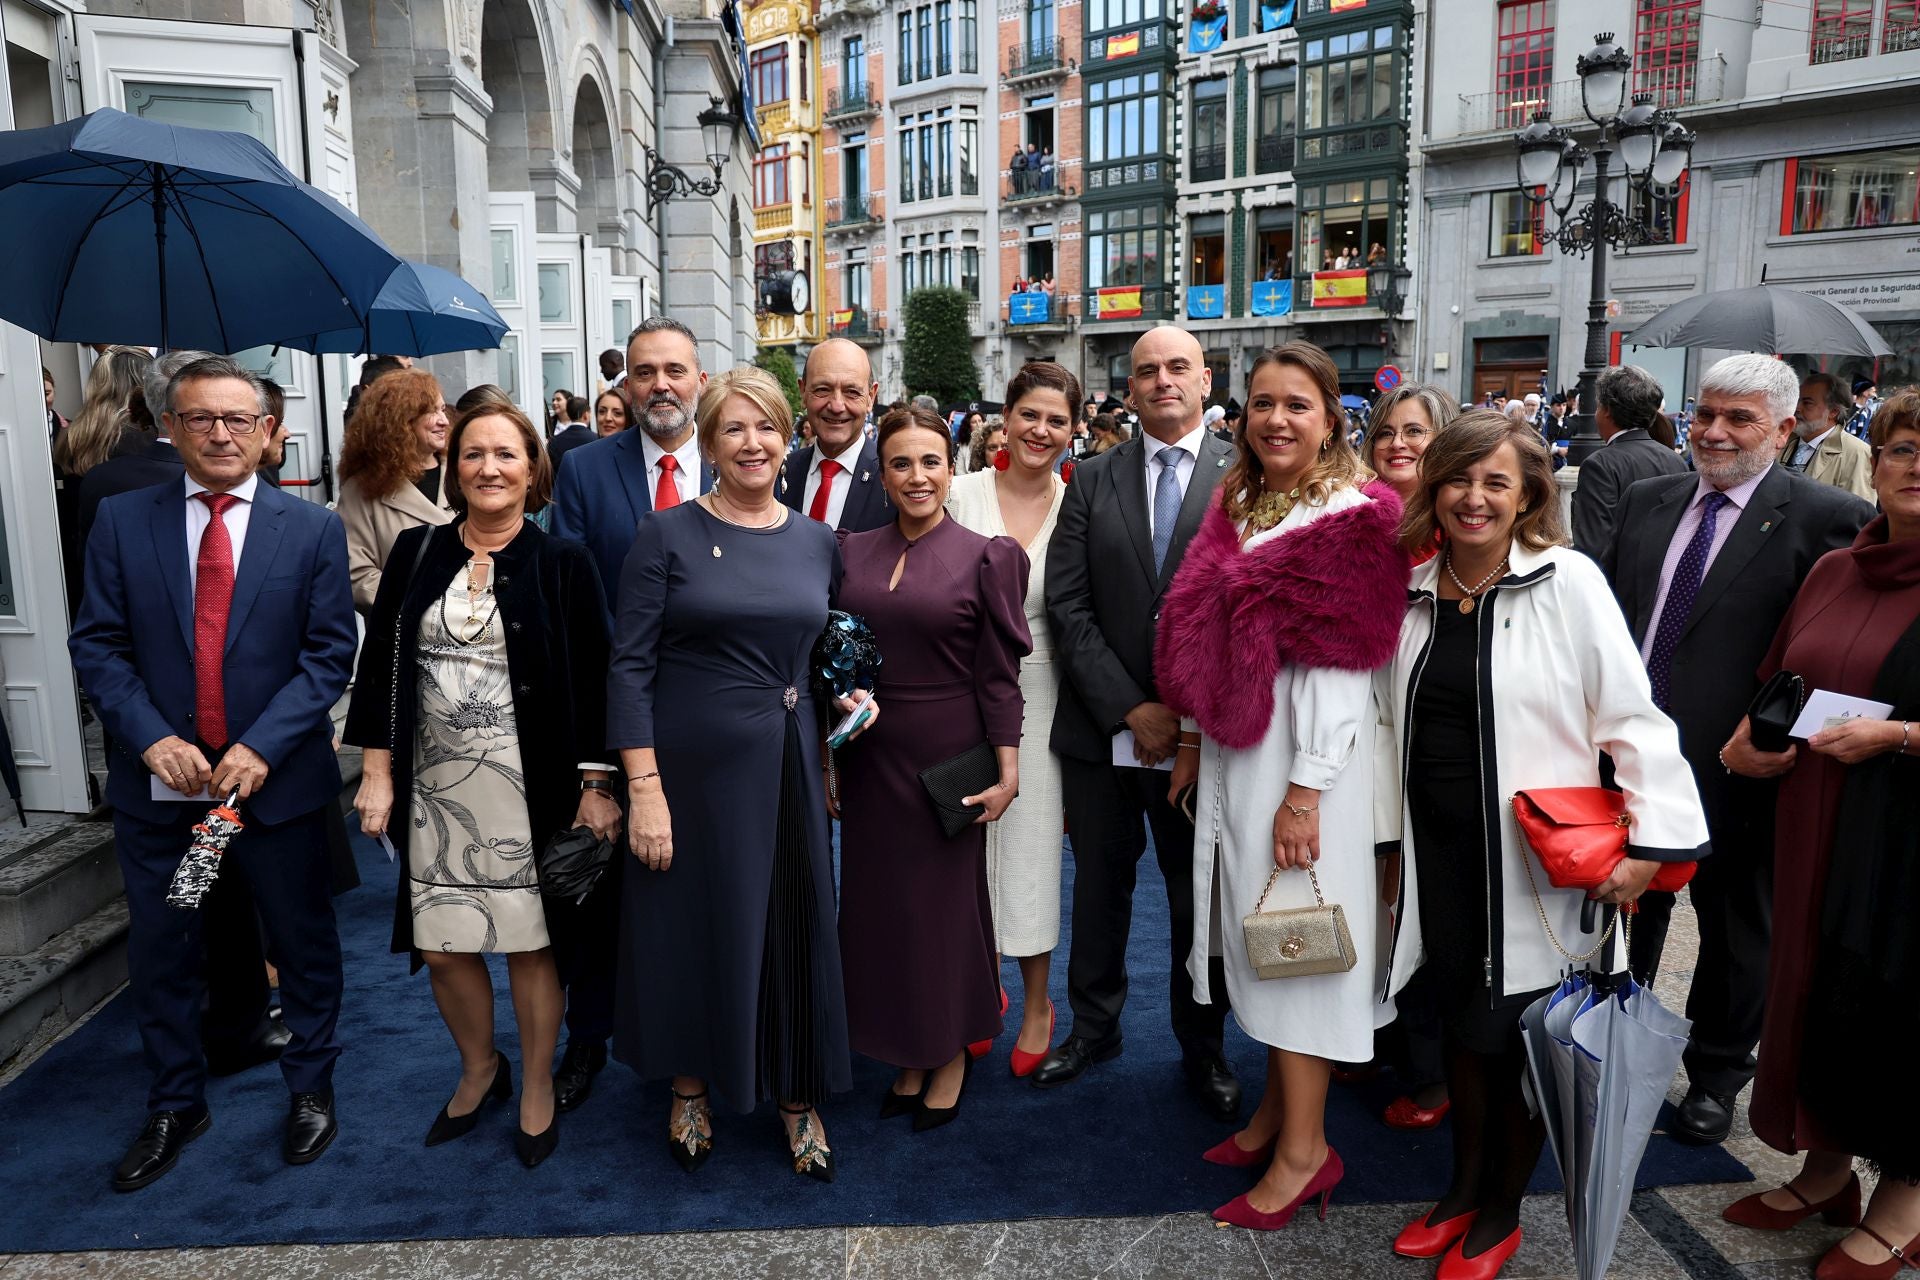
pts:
[729, 975]
[946, 606]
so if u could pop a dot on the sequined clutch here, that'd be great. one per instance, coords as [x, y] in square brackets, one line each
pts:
[1299, 942]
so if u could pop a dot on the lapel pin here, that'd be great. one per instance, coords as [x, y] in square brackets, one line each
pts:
[1220, 462]
[863, 476]
[1765, 525]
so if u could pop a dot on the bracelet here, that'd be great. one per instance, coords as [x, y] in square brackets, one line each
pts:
[1189, 746]
[642, 777]
[596, 784]
[1903, 737]
[1300, 813]
[1723, 762]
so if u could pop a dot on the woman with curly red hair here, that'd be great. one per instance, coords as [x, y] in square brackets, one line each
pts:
[390, 473]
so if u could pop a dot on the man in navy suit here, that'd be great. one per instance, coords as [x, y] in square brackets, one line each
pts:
[215, 635]
[836, 480]
[573, 435]
[599, 498]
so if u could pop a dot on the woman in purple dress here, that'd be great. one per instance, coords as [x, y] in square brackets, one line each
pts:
[946, 606]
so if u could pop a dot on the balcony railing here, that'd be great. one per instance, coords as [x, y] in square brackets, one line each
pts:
[1037, 60]
[852, 102]
[850, 213]
[1042, 312]
[1839, 46]
[832, 11]
[1154, 301]
[858, 323]
[1274, 155]
[1512, 109]
[1209, 163]
[1036, 188]
[1900, 36]
[773, 217]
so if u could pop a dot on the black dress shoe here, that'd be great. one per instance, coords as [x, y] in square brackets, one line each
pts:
[1703, 1119]
[532, 1148]
[266, 1044]
[448, 1127]
[310, 1127]
[1211, 1081]
[933, 1117]
[893, 1105]
[1071, 1058]
[158, 1146]
[578, 1066]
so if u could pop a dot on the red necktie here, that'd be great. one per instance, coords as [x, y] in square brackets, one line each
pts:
[666, 493]
[212, 602]
[828, 470]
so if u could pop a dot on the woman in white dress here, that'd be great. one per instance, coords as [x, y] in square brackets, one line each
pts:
[1289, 596]
[1022, 501]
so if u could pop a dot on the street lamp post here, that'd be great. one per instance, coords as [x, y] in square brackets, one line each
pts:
[664, 181]
[1654, 150]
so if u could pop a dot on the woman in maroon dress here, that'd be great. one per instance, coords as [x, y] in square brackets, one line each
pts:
[1843, 994]
[916, 925]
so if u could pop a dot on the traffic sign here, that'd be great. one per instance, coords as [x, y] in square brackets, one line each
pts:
[1386, 377]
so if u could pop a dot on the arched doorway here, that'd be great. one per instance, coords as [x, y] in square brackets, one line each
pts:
[599, 207]
[513, 69]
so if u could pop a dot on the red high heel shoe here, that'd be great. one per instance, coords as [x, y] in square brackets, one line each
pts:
[1404, 1113]
[1234, 1156]
[981, 1048]
[1020, 1061]
[1837, 1265]
[1240, 1211]
[1841, 1209]
[1421, 1239]
[1483, 1266]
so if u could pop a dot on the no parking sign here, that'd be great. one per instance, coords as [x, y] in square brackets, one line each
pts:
[1386, 378]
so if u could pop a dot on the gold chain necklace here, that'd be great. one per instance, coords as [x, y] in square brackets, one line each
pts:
[1466, 605]
[1269, 509]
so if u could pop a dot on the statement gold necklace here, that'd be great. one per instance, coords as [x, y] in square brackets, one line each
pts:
[1269, 509]
[1466, 605]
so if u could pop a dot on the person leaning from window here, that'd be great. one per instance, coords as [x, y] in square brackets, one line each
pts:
[490, 744]
[391, 473]
[729, 964]
[1504, 600]
[1841, 1032]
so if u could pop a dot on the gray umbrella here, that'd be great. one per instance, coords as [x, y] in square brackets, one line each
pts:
[1766, 318]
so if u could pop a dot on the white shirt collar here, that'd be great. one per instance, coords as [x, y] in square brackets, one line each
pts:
[1815, 443]
[846, 457]
[243, 491]
[686, 457]
[1190, 442]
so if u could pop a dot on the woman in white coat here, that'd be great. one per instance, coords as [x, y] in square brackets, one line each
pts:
[1288, 598]
[1515, 670]
[1022, 501]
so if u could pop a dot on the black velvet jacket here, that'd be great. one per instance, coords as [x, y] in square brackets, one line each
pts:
[555, 617]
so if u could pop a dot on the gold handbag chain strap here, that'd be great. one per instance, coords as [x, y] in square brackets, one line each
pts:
[1274, 879]
[1620, 914]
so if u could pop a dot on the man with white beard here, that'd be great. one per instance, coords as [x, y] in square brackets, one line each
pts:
[1704, 567]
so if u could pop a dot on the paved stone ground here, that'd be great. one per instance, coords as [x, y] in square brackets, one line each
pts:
[1673, 1234]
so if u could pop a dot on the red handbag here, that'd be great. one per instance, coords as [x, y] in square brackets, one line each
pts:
[1580, 834]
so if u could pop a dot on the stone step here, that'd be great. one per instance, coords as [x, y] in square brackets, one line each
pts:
[51, 884]
[44, 992]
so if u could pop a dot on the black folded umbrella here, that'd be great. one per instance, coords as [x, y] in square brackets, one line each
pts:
[573, 862]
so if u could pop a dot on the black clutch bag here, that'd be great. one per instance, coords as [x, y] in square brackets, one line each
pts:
[573, 862]
[951, 781]
[1774, 709]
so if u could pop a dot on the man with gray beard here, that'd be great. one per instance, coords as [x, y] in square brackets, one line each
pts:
[606, 489]
[1704, 567]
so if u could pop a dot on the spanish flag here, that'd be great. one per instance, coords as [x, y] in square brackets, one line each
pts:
[1123, 46]
[1340, 288]
[1119, 304]
[1341, 6]
[842, 319]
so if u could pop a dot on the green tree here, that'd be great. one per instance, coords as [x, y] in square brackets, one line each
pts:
[938, 356]
[778, 361]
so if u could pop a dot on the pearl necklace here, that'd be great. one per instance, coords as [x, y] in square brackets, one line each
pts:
[1466, 605]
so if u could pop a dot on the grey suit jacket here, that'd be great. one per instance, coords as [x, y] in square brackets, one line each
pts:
[1103, 595]
[1604, 477]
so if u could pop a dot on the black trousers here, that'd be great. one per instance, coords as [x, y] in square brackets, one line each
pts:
[236, 969]
[1108, 812]
[1733, 899]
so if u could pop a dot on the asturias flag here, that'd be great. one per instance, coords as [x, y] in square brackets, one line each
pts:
[1340, 288]
[1272, 297]
[1120, 303]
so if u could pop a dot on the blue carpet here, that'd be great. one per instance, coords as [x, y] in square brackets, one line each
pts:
[1125, 1139]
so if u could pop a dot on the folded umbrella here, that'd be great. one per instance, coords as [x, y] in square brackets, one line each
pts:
[1766, 317]
[422, 310]
[201, 865]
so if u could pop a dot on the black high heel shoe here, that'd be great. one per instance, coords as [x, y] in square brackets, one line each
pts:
[903, 1104]
[690, 1147]
[446, 1128]
[810, 1155]
[532, 1148]
[927, 1117]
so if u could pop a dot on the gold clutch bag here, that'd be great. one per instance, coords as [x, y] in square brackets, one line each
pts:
[1299, 942]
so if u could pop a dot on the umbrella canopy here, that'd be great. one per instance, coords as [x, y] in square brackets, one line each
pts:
[1353, 402]
[1767, 318]
[421, 311]
[123, 230]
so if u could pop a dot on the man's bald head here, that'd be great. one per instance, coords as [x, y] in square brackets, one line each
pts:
[1169, 383]
[838, 389]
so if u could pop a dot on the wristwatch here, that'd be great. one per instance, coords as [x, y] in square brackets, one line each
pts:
[596, 784]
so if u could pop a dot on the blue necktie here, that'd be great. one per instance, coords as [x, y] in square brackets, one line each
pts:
[1680, 594]
[1166, 505]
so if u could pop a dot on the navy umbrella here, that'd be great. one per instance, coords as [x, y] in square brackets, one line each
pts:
[123, 230]
[1766, 318]
[421, 311]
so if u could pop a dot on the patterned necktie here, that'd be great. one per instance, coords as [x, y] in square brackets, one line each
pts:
[667, 493]
[828, 470]
[1680, 595]
[212, 603]
[1166, 505]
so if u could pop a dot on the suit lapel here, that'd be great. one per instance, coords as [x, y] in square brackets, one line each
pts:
[170, 545]
[266, 523]
[630, 464]
[1129, 479]
[1201, 486]
[863, 490]
[1750, 533]
[1661, 524]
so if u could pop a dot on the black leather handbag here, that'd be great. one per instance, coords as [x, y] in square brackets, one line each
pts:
[1773, 710]
[951, 781]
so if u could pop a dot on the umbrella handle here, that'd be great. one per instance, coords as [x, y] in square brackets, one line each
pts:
[1589, 915]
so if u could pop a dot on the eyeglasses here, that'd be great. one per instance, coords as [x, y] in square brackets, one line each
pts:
[1901, 455]
[1411, 434]
[239, 424]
